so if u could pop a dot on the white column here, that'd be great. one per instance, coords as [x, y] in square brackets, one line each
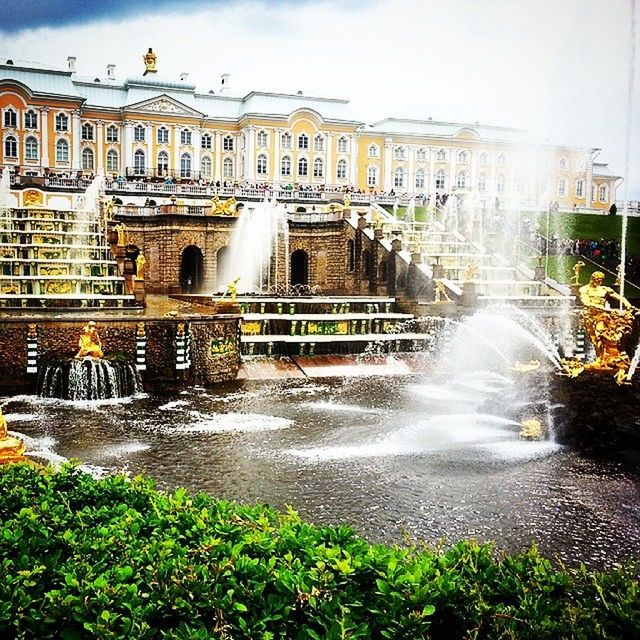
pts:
[217, 151]
[276, 177]
[473, 156]
[100, 147]
[75, 140]
[353, 154]
[411, 182]
[452, 169]
[250, 148]
[127, 142]
[44, 128]
[387, 180]
[196, 139]
[176, 150]
[331, 161]
[588, 181]
[432, 170]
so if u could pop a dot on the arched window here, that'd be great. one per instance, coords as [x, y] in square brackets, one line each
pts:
[227, 168]
[461, 182]
[31, 148]
[420, 179]
[372, 176]
[421, 154]
[205, 166]
[603, 193]
[227, 143]
[500, 184]
[162, 135]
[342, 144]
[579, 188]
[10, 147]
[31, 119]
[463, 156]
[112, 161]
[373, 150]
[185, 165]
[139, 163]
[482, 182]
[87, 159]
[303, 141]
[87, 131]
[262, 165]
[351, 255]
[483, 158]
[501, 160]
[185, 136]
[112, 133]
[318, 143]
[205, 141]
[62, 122]
[563, 163]
[398, 177]
[440, 179]
[303, 167]
[285, 166]
[400, 153]
[341, 170]
[10, 118]
[441, 155]
[383, 272]
[286, 140]
[138, 133]
[318, 168]
[62, 151]
[263, 139]
[562, 187]
[163, 163]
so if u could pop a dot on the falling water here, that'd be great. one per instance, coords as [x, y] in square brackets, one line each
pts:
[5, 192]
[88, 379]
[261, 235]
[92, 197]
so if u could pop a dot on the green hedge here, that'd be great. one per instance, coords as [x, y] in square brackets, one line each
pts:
[116, 558]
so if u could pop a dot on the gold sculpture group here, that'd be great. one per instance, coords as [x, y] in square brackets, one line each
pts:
[608, 329]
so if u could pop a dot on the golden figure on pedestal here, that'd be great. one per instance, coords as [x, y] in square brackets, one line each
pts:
[441, 292]
[11, 449]
[232, 289]
[89, 342]
[122, 234]
[141, 261]
[607, 329]
[219, 208]
[150, 62]
[577, 268]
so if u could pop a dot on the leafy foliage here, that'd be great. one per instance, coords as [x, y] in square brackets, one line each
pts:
[116, 558]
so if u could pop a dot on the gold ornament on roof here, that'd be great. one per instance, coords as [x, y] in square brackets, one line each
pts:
[150, 60]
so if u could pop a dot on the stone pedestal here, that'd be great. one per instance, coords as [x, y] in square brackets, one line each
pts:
[438, 271]
[138, 290]
[469, 294]
[227, 307]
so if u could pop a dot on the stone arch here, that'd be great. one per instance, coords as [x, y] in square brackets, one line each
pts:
[299, 267]
[222, 267]
[191, 269]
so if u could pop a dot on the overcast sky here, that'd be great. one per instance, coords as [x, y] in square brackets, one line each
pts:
[559, 68]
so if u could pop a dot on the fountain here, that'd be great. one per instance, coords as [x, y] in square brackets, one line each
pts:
[88, 375]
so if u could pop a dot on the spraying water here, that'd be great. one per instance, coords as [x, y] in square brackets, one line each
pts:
[258, 250]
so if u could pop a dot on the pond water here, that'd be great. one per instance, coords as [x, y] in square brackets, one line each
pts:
[392, 456]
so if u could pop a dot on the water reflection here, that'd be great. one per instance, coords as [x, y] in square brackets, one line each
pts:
[390, 456]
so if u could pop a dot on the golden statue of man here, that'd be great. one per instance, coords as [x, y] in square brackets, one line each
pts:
[150, 60]
[606, 327]
[11, 449]
[141, 261]
[577, 268]
[122, 234]
[89, 342]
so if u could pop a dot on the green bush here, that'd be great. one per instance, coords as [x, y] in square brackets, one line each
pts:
[116, 558]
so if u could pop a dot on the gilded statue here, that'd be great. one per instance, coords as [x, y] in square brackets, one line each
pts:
[140, 330]
[122, 234]
[577, 268]
[471, 273]
[141, 261]
[150, 60]
[225, 208]
[89, 342]
[606, 327]
[11, 449]
[441, 292]
[232, 289]
[347, 200]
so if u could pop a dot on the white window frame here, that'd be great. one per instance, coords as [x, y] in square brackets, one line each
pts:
[318, 168]
[112, 166]
[186, 165]
[303, 141]
[562, 187]
[30, 119]
[399, 178]
[303, 167]
[579, 188]
[205, 141]
[263, 139]
[62, 151]
[139, 133]
[138, 167]
[318, 144]
[400, 153]
[86, 132]
[227, 168]
[206, 166]
[162, 161]
[185, 137]
[372, 176]
[88, 159]
[342, 144]
[285, 166]
[420, 179]
[112, 133]
[62, 122]
[373, 150]
[441, 179]
[603, 193]
[10, 118]
[31, 148]
[441, 155]
[227, 145]
[162, 135]
[341, 170]
[286, 140]
[8, 150]
[421, 154]
[262, 165]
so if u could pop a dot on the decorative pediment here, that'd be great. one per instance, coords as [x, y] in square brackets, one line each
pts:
[164, 104]
[467, 134]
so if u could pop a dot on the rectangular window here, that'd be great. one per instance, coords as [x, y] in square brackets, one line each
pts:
[138, 134]
[112, 134]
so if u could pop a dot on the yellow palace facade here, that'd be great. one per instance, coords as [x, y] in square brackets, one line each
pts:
[57, 123]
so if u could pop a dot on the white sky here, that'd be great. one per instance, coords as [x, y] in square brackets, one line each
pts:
[557, 67]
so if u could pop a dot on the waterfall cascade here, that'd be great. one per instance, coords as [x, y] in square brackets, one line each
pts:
[88, 379]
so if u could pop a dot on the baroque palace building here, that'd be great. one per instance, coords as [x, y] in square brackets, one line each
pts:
[55, 122]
